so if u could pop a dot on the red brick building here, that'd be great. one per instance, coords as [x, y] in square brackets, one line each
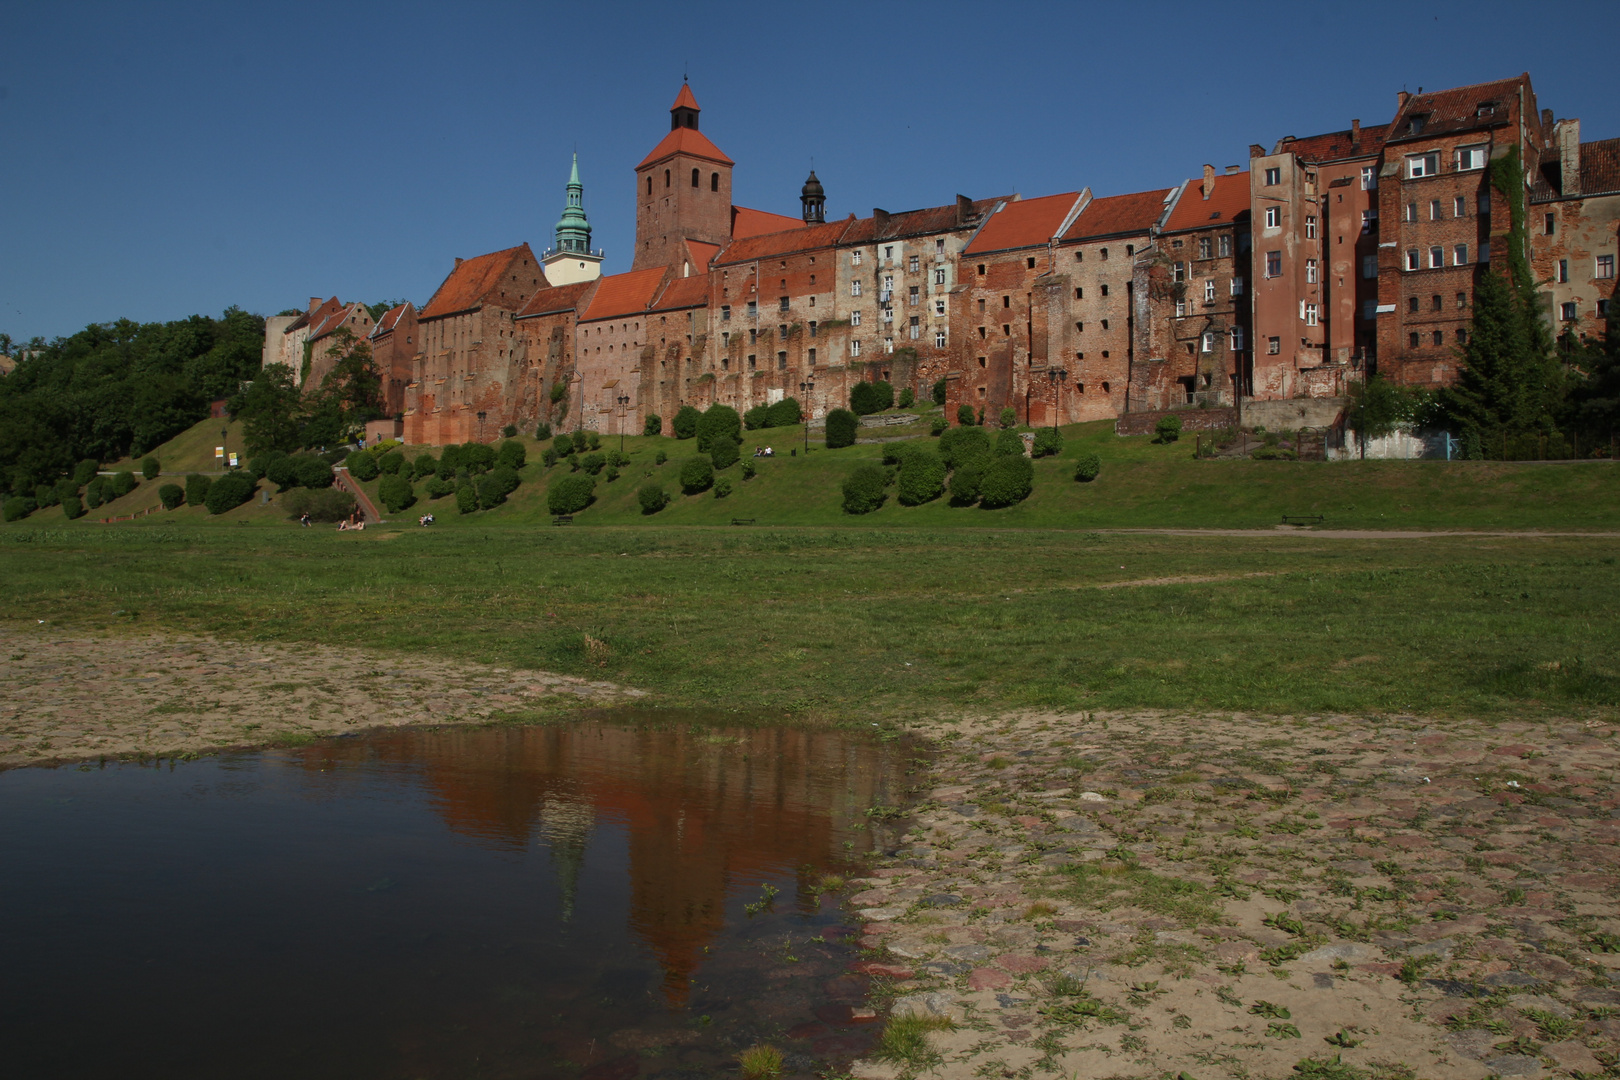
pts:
[1574, 215]
[393, 350]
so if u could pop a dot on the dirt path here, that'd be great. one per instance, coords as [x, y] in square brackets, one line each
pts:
[74, 697]
[1148, 896]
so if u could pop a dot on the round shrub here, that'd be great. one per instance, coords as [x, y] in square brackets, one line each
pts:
[653, 425]
[18, 507]
[612, 473]
[390, 464]
[966, 479]
[1008, 442]
[326, 505]
[722, 487]
[121, 484]
[72, 508]
[151, 468]
[197, 489]
[490, 491]
[962, 444]
[937, 392]
[906, 398]
[1007, 480]
[362, 465]
[564, 446]
[570, 494]
[617, 460]
[922, 478]
[450, 460]
[1048, 443]
[395, 492]
[439, 487]
[283, 472]
[1167, 430]
[686, 422]
[697, 475]
[841, 427]
[506, 478]
[652, 498]
[231, 491]
[171, 495]
[581, 442]
[85, 471]
[660, 457]
[542, 432]
[719, 422]
[424, 466]
[866, 398]
[593, 440]
[1087, 468]
[785, 413]
[724, 452]
[593, 463]
[1009, 417]
[94, 492]
[315, 473]
[509, 431]
[757, 417]
[864, 489]
[549, 458]
[466, 497]
[939, 426]
[477, 457]
[964, 415]
[511, 454]
[45, 495]
[749, 470]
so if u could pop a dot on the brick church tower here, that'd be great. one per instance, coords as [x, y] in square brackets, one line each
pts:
[683, 190]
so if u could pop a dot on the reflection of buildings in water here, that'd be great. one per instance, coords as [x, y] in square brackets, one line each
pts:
[565, 826]
[708, 813]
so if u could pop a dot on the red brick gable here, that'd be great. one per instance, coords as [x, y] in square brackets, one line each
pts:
[1335, 145]
[549, 301]
[618, 295]
[688, 141]
[390, 319]
[1600, 167]
[333, 320]
[1115, 214]
[1025, 223]
[1229, 199]
[478, 281]
[1449, 112]
[686, 292]
[700, 254]
[746, 222]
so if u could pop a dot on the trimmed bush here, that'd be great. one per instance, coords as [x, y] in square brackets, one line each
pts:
[18, 507]
[506, 478]
[660, 457]
[151, 468]
[439, 487]
[196, 489]
[1008, 417]
[922, 478]
[1167, 430]
[841, 427]
[390, 464]
[757, 417]
[85, 471]
[231, 491]
[724, 452]
[549, 458]
[939, 426]
[315, 473]
[466, 497]
[749, 469]
[325, 505]
[564, 446]
[652, 425]
[617, 459]
[1009, 442]
[581, 443]
[362, 465]
[786, 413]
[570, 494]
[612, 473]
[450, 460]
[964, 415]
[395, 492]
[593, 463]
[1007, 480]
[1087, 468]
[697, 475]
[542, 432]
[866, 398]
[490, 493]
[72, 508]
[509, 431]
[685, 425]
[652, 498]
[424, 465]
[45, 495]
[906, 398]
[477, 457]
[962, 444]
[966, 479]
[722, 487]
[121, 484]
[719, 422]
[938, 391]
[171, 496]
[864, 489]
[512, 454]
[1048, 443]
[94, 492]
[283, 472]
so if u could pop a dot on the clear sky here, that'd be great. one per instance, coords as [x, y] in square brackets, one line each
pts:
[163, 159]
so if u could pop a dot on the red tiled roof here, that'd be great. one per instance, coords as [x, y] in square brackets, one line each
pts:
[1447, 112]
[1335, 145]
[1600, 167]
[925, 222]
[688, 141]
[1025, 223]
[624, 294]
[556, 298]
[746, 222]
[700, 254]
[777, 244]
[470, 283]
[309, 317]
[335, 319]
[685, 292]
[1133, 213]
[390, 319]
[685, 100]
[1229, 199]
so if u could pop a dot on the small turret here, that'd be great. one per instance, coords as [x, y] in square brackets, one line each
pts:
[814, 199]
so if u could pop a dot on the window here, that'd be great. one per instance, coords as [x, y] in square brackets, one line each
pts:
[1412, 305]
[1561, 274]
[1369, 221]
[854, 318]
[1459, 255]
[1435, 213]
[1181, 309]
[888, 252]
[939, 275]
[1369, 178]
[855, 288]
[781, 333]
[1274, 345]
[1103, 253]
[1103, 289]
[751, 361]
[913, 296]
[1237, 286]
[1369, 266]
[1422, 165]
[753, 336]
[1567, 311]
[1273, 217]
[887, 314]
[714, 181]
[1602, 308]
[1079, 293]
[1209, 290]
[1548, 225]
[649, 185]
[1437, 338]
[888, 284]
[939, 308]
[810, 357]
[1178, 272]
[814, 329]
[666, 178]
[782, 304]
[855, 347]
[1434, 302]
[1310, 314]
[1605, 266]
[1411, 211]
[1470, 157]
[939, 339]
[1459, 206]
[1105, 324]
[1462, 300]
[1223, 245]
[1208, 343]
[781, 360]
[1006, 301]
[1310, 227]
[1310, 271]
[888, 345]
[1273, 178]
[753, 309]
[855, 258]
[695, 181]
[1412, 340]
[1029, 263]
[1237, 339]
[1484, 252]
[1462, 336]
[1273, 264]
[1204, 247]
[939, 247]
[915, 328]
[981, 269]
[1437, 257]
[725, 312]
[914, 264]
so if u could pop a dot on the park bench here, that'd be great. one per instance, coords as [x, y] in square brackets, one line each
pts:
[1302, 519]
[563, 519]
[742, 521]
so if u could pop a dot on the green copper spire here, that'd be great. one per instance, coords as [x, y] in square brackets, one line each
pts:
[573, 231]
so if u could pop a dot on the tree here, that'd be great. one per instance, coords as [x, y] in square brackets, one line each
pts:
[353, 382]
[863, 489]
[395, 492]
[841, 427]
[937, 392]
[1595, 393]
[786, 413]
[653, 425]
[686, 422]
[1376, 408]
[697, 475]
[1507, 383]
[271, 411]
[718, 422]
[652, 498]
[866, 398]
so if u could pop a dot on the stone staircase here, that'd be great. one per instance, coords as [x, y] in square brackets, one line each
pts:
[342, 479]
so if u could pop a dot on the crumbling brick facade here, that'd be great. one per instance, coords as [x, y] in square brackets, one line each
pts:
[1574, 217]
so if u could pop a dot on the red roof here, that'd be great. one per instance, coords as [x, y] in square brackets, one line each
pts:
[746, 222]
[335, 319]
[624, 294]
[556, 298]
[925, 222]
[685, 292]
[1229, 199]
[685, 100]
[1133, 213]
[700, 254]
[1600, 167]
[473, 280]
[1335, 145]
[776, 244]
[1024, 223]
[1448, 112]
[390, 319]
[310, 317]
[688, 141]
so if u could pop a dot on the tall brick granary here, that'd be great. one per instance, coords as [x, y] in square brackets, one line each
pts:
[1323, 260]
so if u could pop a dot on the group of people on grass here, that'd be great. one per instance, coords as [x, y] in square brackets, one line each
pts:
[764, 451]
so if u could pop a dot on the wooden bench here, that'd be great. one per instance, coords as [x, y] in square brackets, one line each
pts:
[742, 521]
[1302, 519]
[563, 519]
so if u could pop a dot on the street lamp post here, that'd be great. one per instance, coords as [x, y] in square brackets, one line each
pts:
[806, 388]
[224, 446]
[480, 425]
[624, 399]
[1057, 375]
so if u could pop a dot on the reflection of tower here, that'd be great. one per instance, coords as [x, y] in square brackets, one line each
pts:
[565, 825]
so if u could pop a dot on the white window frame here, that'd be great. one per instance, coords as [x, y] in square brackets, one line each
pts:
[1421, 165]
[1207, 343]
[855, 288]
[1181, 309]
[1369, 178]
[1223, 245]
[1414, 259]
[1436, 211]
[939, 339]
[1310, 271]
[855, 258]
[1178, 272]
[1273, 217]
[1273, 176]
[939, 275]
[939, 309]
[854, 318]
[913, 263]
[1237, 339]
[854, 346]
[888, 345]
[1270, 273]
[1470, 158]
[1209, 290]
[1459, 255]
[1310, 314]
[1310, 227]
[1437, 256]
[1237, 286]
[1603, 267]
[1561, 272]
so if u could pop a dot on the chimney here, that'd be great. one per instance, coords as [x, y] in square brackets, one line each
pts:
[1233, 170]
[1546, 121]
[880, 219]
[1567, 133]
[458, 260]
[964, 209]
[314, 302]
[1401, 98]
[1256, 150]
[1355, 135]
[1209, 181]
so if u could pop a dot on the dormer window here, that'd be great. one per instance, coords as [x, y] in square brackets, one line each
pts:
[1486, 109]
[1416, 124]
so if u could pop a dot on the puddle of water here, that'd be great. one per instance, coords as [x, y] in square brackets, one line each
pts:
[577, 901]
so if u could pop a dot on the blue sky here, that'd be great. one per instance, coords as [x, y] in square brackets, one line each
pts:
[162, 159]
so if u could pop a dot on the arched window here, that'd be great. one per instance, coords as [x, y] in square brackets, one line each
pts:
[694, 178]
[714, 181]
[649, 185]
[666, 178]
